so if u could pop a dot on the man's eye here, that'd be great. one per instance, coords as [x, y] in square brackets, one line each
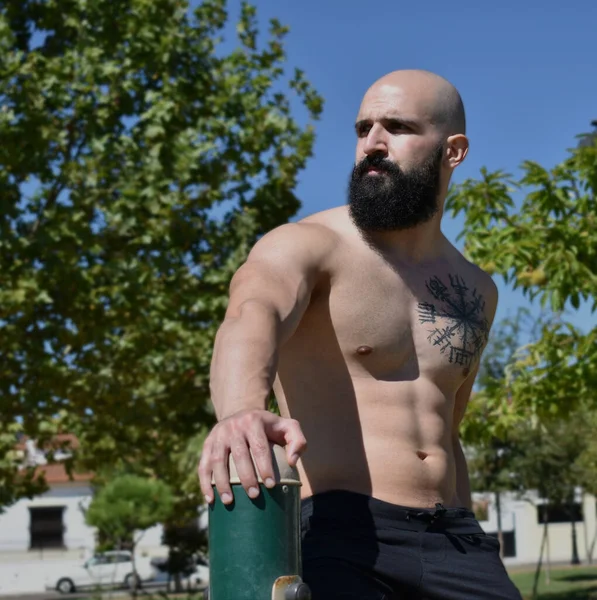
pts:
[395, 127]
[363, 130]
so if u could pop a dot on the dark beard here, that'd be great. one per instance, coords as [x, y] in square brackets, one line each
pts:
[394, 199]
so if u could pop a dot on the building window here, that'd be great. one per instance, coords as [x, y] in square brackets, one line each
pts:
[46, 527]
[560, 513]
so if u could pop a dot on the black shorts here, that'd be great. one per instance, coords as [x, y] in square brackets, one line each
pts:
[357, 547]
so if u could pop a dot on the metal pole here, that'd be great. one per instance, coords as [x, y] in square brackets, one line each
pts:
[254, 545]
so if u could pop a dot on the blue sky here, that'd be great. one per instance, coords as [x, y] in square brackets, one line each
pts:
[527, 72]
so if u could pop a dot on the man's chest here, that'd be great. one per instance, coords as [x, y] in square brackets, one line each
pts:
[435, 324]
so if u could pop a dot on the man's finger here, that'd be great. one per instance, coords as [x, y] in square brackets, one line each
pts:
[205, 473]
[222, 481]
[205, 484]
[244, 467]
[260, 448]
[219, 467]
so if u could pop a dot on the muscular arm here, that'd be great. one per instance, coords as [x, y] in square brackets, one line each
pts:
[268, 296]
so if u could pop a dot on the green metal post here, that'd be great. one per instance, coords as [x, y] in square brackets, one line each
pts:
[254, 545]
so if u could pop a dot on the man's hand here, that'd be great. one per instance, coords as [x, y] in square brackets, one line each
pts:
[247, 429]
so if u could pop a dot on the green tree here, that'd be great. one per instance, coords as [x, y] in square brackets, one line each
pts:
[586, 465]
[139, 163]
[185, 543]
[182, 533]
[539, 233]
[178, 469]
[545, 461]
[490, 455]
[126, 507]
[588, 139]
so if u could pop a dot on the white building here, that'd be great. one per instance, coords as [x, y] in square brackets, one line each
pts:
[49, 531]
[522, 525]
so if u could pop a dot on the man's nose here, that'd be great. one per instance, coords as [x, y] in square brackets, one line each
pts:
[376, 142]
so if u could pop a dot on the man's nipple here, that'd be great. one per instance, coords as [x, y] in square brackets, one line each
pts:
[364, 350]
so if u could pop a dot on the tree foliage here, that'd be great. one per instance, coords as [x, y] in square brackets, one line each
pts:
[492, 394]
[585, 462]
[139, 163]
[539, 234]
[528, 421]
[546, 458]
[129, 504]
[126, 507]
[186, 544]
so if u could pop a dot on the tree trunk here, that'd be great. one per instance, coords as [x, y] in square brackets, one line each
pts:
[500, 533]
[178, 584]
[135, 576]
[547, 558]
[540, 561]
[586, 540]
[592, 548]
[575, 559]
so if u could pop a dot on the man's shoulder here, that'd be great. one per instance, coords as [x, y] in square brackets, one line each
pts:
[326, 228]
[334, 220]
[309, 239]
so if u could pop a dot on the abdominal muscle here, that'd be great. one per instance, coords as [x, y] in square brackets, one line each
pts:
[389, 439]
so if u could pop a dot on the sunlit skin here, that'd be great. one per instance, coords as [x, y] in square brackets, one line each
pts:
[371, 342]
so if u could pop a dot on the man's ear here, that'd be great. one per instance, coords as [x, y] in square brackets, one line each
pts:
[456, 149]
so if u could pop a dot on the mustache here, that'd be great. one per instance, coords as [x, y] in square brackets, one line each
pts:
[377, 162]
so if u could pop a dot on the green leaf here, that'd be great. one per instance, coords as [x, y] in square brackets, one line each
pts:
[131, 125]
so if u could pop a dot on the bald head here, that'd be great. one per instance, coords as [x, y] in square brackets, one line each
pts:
[410, 137]
[433, 96]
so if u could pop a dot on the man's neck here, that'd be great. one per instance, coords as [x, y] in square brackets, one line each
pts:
[417, 245]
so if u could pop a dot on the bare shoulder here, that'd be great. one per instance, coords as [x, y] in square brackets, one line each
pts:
[335, 219]
[284, 267]
[309, 241]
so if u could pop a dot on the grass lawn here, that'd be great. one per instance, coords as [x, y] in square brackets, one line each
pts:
[569, 583]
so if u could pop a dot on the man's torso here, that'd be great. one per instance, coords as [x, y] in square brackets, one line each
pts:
[373, 369]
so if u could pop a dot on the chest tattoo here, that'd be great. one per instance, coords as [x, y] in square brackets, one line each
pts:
[464, 332]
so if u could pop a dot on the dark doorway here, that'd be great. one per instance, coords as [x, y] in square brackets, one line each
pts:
[509, 548]
[46, 527]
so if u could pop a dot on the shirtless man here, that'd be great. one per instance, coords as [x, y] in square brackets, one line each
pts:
[369, 326]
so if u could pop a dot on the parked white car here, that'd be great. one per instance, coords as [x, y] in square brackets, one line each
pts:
[108, 569]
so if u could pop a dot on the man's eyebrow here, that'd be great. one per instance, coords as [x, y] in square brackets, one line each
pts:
[389, 119]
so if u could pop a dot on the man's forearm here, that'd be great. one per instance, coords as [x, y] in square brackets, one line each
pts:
[463, 486]
[244, 361]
